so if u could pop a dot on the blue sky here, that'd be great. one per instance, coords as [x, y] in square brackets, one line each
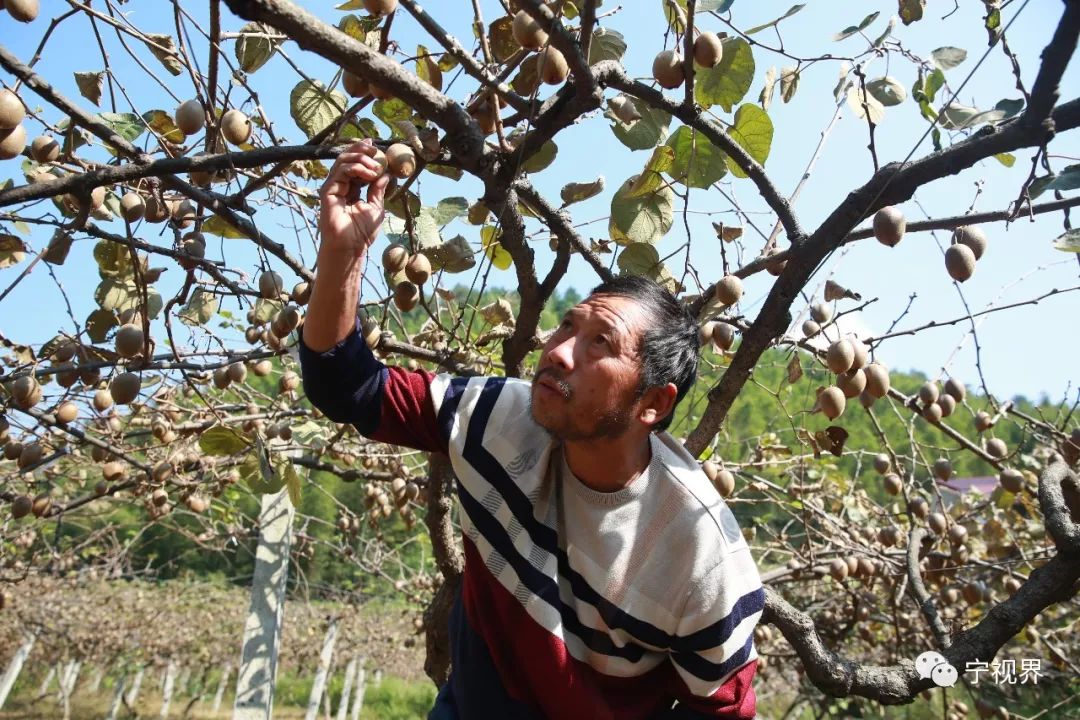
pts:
[1023, 351]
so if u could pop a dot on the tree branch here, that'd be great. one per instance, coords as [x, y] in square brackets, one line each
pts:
[559, 223]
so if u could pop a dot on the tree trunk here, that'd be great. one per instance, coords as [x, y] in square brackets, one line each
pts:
[118, 698]
[15, 667]
[262, 630]
[358, 693]
[319, 684]
[133, 694]
[167, 690]
[346, 688]
[226, 671]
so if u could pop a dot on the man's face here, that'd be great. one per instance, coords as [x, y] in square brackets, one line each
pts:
[586, 383]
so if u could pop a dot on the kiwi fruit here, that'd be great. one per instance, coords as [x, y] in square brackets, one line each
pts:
[44, 149]
[852, 382]
[236, 127]
[821, 312]
[728, 290]
[919, 507]
[113, 471]
[947, 404]
[183, 214]
[832, 401]
[932, 413]
[928, 393]
[395, 258]
[418, 269]
[406, 295]
[956, 389]
[355, 85]
[221, 378]
[877, 380]
[774, 267]
[155, 210]
[237, 372]
[68, 412]
[1012, 480]
[379, 92]
[371, 332]
[957, 534]
[882, 463]
[21, 506]
[889, 225]
[31, 455]
[301, 293]
[23, 10]
[942, 469]
[270, 285]
[527, 31]
[102, 400]
[400, 160]
[724, 482]
[190, 117]
[889, 536]
[810, 328]
[24, 389]
[983, 421]
[12, 111]
[193, 246]
[960, 262]
[973, 237]
[862, 354]
[838, 569]
[12, 142]
[996, 448]
[723, 337]
[378, 8]
[132, 207]
[197, 503]
[705, 332]
[129, 340]
[667, 69]
[708, 50]
[840, 356]
[892, 483]
[289, 381]
[125, 388]
[553, 66]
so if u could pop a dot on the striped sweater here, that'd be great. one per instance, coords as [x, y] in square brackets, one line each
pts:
[574, 603]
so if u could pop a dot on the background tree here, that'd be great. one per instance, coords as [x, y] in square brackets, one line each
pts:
[166, 397]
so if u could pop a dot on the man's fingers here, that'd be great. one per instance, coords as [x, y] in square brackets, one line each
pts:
[377, 190]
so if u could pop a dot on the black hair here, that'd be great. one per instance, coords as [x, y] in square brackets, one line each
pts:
[670, 345]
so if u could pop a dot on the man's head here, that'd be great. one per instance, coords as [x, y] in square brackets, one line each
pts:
[621, 359]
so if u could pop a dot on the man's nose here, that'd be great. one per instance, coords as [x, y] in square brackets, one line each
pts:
[561, 355]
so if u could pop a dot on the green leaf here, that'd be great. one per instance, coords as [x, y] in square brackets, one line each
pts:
[292, 481]
[955, 116]
[90, 85]
[1006, 159]
[113, 259]
[199, 308]
[697, 162]
[855, 29]
[253, 52]
[606, 44]
[640, 219]
[753, 131]
[886, 90]
[646, 133]
[498, 255]
[164, 49]
[314, 107]
[1009, 108]
[163, 124]
[577, 192]
[728, 82]
[539, 160]
[501, 39]
[309, 434]
[396, 204]
[365, 29]
[911, 10]
[427, 69]
[392, 111]
[1067, 179]
[12, 250]
[638, 259]
[222, 440]
[865, 104]
[791, 11]
[948, 57]
[127, 125]
[453, 256]
[265, 309]
[260, 482]
[650, 177]
[1069, 242]
[217, 225]
[449, 209]
[99, 323]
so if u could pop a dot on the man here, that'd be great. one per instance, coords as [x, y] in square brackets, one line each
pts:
[604, 575]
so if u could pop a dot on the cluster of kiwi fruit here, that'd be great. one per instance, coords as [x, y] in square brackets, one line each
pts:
[12, 132]
[935, 404]
[396, 261]
[669, 69]
[968, 244]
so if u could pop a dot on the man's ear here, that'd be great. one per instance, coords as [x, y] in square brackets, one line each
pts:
[657, 403]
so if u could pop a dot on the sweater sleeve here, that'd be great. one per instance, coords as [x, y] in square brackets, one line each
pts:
[714, 655]
[391, 405]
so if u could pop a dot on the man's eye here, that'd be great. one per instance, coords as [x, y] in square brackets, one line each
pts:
[600, 339]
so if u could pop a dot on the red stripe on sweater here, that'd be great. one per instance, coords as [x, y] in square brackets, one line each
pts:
[407, 395]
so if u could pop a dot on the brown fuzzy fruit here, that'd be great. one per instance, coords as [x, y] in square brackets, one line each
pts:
[400, 160]
[928, 393]
[527, 31]
[21, 506]
[973, 237]
[832, 402]
[840, 357]
[42, 505]
[919, 507]
[723, 336]
[31, 455]
[394, 258]
[882, 463]
[724, 482]
[44, 149]
[262, 368]
[190, 117]
[289, 381]
[114, 471]
[12, 111]
[197, 503]
[853, 382]
[892, 483]
[418, 269]
[810, 328]
[728, 290]
[862, 353]
[12, 142]
[379, 8]
[355, 85]
[129, 340]
[1012, 480]
[889, 225]
[22, 10]
[942, 469]
[937, 523]
[183, 214]
[960, 262]
[125, 387]
[406, 295]
[838, 569]
[821, 312]
[301, 293]
[68, 412]
[932, 413]
[237, 372]
[552, 65]
[708, 50]
[889, 536]
[947, 405]
[667, 69]
[774, 267]
[996, 447]
[270, 285]
[877, 380]
[102, 400]
[132, 206]
[155, 210]
[958, 534]
[194, 248]
[236, 127]
[955, 388]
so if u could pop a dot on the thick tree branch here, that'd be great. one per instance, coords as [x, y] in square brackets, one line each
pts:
[512, 238]
[439, 494]
[1056, 56]
[559, 223]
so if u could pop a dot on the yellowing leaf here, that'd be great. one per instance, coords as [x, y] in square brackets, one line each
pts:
[498, 255]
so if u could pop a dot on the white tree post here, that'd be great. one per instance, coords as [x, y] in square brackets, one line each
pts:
[118, 697]
[183, 682]
[99, 675]
[67, 685]
[133, 694]
[262, 630]
[377, 680]
[318, 686]
[169, 686]
[346, 689]
[47, 681]
[15, 667]
[358, 693]
[226, 671]
[326, 700]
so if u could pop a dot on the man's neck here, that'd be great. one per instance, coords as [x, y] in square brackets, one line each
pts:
[609, 465]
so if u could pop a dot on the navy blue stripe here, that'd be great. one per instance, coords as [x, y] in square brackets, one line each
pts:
[547, 539]
[448, 409]
[710, 671]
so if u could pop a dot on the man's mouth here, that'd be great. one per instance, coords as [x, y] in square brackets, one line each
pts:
[545, 381]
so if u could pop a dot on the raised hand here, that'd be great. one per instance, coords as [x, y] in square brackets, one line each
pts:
[346, 221]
